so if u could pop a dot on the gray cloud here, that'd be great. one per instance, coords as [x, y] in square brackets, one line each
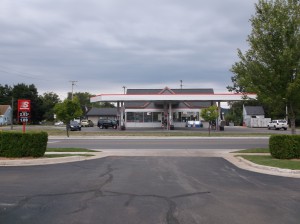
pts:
[107, 44]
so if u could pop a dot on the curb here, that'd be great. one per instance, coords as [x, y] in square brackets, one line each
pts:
[235, 160]
[270, 168]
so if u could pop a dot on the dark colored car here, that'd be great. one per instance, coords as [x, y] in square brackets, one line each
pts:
[107, 123]
[74, 126]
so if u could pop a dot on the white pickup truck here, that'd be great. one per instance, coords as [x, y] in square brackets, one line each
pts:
[278, 124]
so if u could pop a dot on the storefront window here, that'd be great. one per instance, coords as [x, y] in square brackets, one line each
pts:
[147, 117]
[138, 117]
[130, 116]
[157, 116]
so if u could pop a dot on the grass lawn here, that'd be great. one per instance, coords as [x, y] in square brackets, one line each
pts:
[67, 152]
[270, 161]
[56, 131]
[255, 150]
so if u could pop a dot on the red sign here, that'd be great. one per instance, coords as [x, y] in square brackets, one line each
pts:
[23, 105]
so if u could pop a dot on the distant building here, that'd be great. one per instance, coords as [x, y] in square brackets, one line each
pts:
[5, 114]
[94, 114]
[254, 116]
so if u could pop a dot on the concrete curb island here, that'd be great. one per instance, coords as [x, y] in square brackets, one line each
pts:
[231, 157]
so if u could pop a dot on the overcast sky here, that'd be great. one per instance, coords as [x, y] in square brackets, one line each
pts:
[107, 44]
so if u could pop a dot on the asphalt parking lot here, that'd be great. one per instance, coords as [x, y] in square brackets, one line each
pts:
[172, 190]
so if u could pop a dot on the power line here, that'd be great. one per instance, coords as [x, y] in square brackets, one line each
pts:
[18, 73]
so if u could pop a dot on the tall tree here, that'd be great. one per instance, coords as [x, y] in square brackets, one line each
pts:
[83, 97]
[5, 95]
[23, 91]
[271, 66]
[84, 100]
[49, 100]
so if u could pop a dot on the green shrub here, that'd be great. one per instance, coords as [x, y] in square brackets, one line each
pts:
[17, 144]
[285, 146]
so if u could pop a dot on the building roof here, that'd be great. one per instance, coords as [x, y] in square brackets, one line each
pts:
[170, 95]
[102, 112]
[170, 91]
[254, 110]
[3, 109]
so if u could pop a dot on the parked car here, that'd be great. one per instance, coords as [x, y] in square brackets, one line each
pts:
[107, 123]
[87, 123]
[58, 123]
[74, 126]
[278, 124]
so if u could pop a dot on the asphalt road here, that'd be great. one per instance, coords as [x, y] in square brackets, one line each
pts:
[159, 144]
[135, 190]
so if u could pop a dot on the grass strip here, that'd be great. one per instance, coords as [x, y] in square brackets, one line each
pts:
[69, 150]
[254, 150]
[270, 161]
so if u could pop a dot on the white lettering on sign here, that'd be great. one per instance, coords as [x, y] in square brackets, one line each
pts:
[24, 114]
[23, 119]
[24, 105]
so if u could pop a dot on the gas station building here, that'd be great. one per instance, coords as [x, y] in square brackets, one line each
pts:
[166, 107]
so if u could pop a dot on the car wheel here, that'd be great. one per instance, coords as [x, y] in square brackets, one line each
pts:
[269, 128]
[285, 129]
[106, 127]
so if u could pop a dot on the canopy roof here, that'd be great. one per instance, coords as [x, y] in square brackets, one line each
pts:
[219, 97]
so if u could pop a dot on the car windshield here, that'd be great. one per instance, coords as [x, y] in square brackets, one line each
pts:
[73, 122]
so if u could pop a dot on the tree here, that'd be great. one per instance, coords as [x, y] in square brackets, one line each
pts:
[84, 100]
[210, 114]
[23, 91]
[235, 113]
[49, 100]
[5, 95]
[271, 66]
[67, 111]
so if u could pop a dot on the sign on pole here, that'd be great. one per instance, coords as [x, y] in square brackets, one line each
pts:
[23, 112]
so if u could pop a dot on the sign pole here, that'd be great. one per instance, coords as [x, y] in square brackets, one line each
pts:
[24, 125]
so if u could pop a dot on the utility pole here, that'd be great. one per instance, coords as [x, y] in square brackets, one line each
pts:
[124, 87]
[73, 83]
[12, 114]
[181, 84]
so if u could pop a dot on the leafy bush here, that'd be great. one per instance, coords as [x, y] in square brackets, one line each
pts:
[285, 146]
[17, 144]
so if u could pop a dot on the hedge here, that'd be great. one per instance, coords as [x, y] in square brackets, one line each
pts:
[17, 144]
[285, 146]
